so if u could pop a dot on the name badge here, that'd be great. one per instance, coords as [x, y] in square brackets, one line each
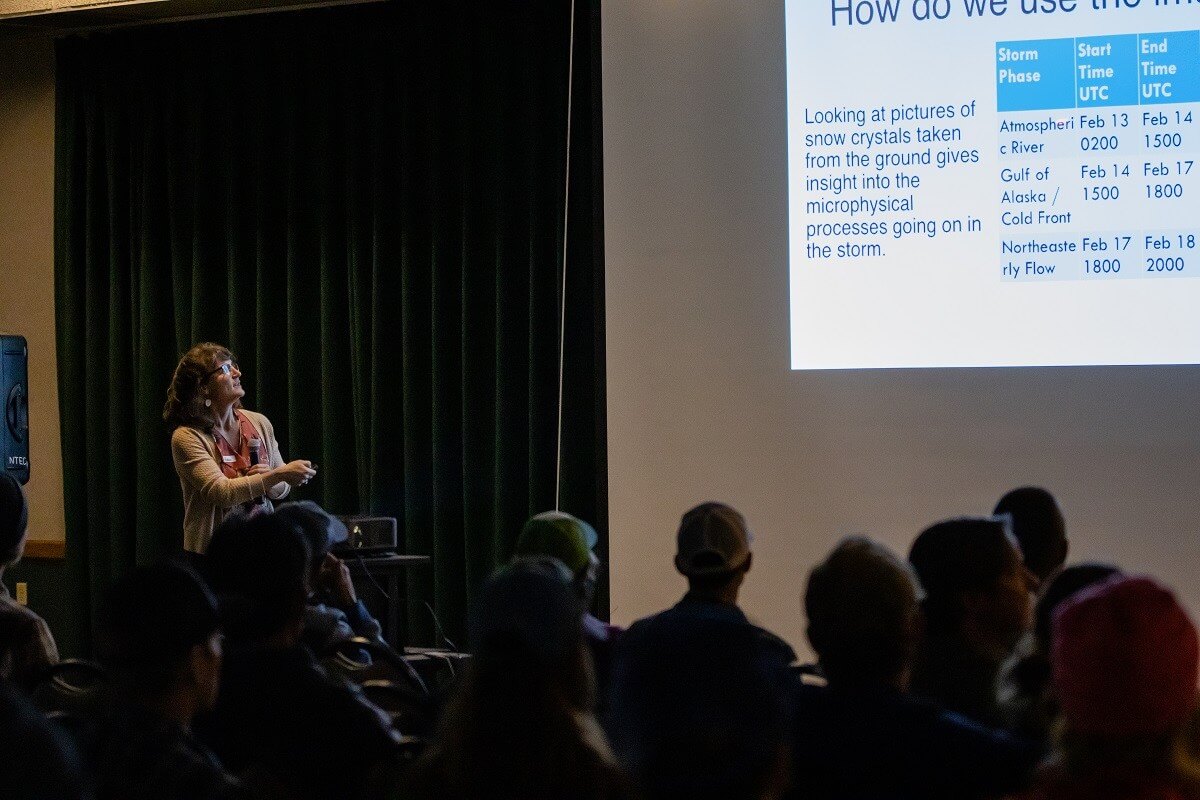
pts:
[229, 459]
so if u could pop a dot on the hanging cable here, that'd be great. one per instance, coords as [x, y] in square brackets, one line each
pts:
[562, 315]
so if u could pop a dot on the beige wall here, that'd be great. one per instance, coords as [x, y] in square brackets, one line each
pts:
[27, 257]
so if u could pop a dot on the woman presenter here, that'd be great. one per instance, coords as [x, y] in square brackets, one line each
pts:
[225, 455]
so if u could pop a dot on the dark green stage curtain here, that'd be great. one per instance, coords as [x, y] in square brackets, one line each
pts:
[366, 205]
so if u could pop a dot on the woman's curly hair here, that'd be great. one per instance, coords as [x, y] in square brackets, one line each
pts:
[185, 400]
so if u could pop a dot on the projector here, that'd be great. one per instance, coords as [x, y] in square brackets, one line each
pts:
[368, 535]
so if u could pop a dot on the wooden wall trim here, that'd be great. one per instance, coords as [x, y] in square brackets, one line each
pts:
[45, 549]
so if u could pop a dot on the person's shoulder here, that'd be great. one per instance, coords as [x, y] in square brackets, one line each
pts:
[647, 621]
[872, 708]
[185, 437]
[311, 680]
[140, 754]
[953, 732]
[647, 626]
[775, 645]
[644, 635]
[290, 675]
[18, 624]
[925, 714]
[48, 765]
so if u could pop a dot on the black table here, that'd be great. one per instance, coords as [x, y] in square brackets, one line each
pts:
[386, 569]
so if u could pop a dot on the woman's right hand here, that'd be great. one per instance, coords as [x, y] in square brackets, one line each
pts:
[295, 473]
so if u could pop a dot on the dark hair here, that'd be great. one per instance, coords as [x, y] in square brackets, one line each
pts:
[512, 727]
[14, 518]
[1038, 524]
[258, 566]
[958, 556]
[1061, 588]
[700, 712]
[185, 400]
[149, 622]
[862, 603]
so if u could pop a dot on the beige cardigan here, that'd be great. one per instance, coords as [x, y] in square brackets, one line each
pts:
[207, 494]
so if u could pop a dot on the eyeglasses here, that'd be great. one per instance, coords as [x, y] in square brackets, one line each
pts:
[228, 368]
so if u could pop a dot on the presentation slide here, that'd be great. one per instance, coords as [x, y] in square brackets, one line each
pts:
[993, 183]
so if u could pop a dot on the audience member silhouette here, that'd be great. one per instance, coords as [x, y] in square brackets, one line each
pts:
[520, 724]
[701, 703]
[1038, 524]
[713, 553]
[158, 635]
[279, 716]
[703, 714]
[1025, 691]
[1125, 658]
[862, 736]
[572, 541]
[333, 613]
[977, 605]
[26, 646]
[37, 760]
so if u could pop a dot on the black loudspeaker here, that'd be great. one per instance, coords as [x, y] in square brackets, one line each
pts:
[14, 395]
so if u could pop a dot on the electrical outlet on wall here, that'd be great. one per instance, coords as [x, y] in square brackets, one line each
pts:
[22, 593]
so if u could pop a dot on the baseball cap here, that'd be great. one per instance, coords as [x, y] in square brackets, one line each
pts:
[559, 535]
[321, 529]
[712, 539]
[151, 618]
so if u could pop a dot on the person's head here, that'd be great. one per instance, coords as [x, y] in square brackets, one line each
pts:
[527, 620]
[863, 608]
[1037, 522]
[512, 727]
[1125, 657]
[207, 377]
[158, 633]
[14, 520]
[976, 584]
[259, 566]
[701, 714]
[1125, 660]
[1064, 585]
[567, 538]
[320, 530]
[713, 550]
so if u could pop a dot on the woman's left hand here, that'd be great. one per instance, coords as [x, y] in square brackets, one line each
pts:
[258, 469]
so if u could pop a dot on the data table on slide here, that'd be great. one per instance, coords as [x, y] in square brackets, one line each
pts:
[1097, 147]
